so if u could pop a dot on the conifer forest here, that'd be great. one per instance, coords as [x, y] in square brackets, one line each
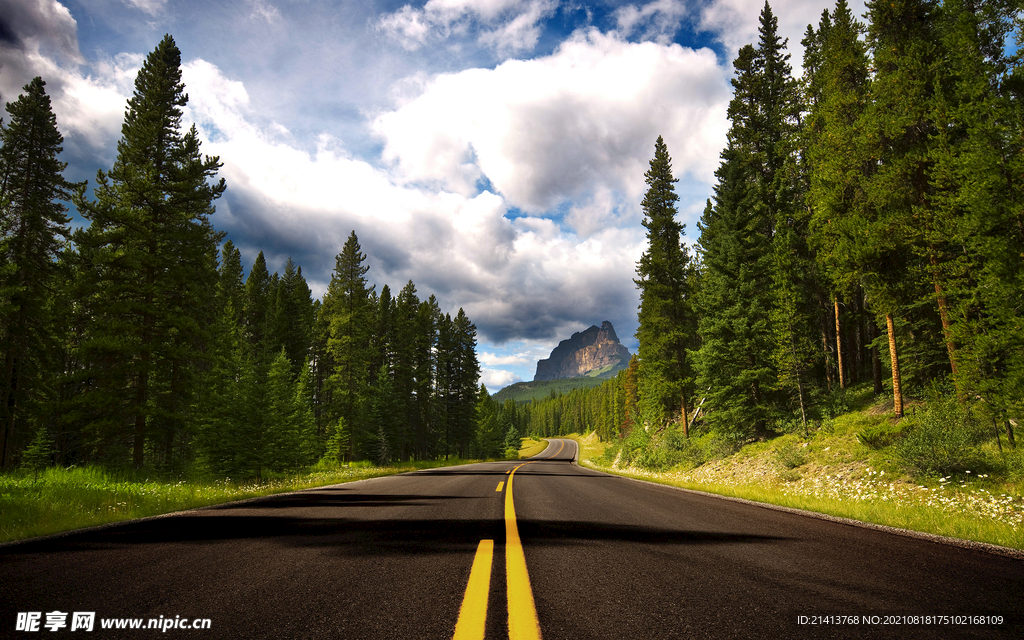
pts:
[867, 227]
[135, 341]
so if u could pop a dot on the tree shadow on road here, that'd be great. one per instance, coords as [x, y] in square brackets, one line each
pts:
[373, 536]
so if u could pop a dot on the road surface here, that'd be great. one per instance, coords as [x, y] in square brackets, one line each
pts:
[538, 548]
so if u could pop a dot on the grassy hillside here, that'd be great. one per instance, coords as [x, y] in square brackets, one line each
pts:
[926, 473]
[540, 389]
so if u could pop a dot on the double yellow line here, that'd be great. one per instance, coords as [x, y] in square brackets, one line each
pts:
[522, 613]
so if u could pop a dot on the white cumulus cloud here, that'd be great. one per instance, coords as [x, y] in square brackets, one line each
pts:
[151, 7]
[508, 26]
[551, 129]
[658, 20]
[523, 277]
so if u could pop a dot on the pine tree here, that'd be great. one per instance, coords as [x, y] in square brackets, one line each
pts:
[348, 313]
[898, 126]
[513, 439]
[796, 282]
[283, 420]
[230, 283]
[293, 315]
[667, 323]
[39, 453]
[257, 311]
[630, 392]
[465, 376]
[147, 257]
[976, 171]
[406, 367]
[383, 419]
[738, 358]
[489, 437]
[222, 405]
[426, 438]
[33, 227]
[837, 162]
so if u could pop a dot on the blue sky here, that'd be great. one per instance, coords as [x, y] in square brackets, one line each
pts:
[492, 151]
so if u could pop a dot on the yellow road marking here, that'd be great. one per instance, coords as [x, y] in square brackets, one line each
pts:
[473, 614]
[522, 613]
[500, 485]
[561, 445]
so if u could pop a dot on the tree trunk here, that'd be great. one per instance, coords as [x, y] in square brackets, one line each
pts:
[839, 346]
[857, 370]
[897, 391]
[824, 350]
[686, 420]
[141, 389]
[947, 332]
[9, 389]
[876, 360]
[799, 377]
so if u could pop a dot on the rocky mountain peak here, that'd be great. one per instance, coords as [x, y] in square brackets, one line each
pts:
[595, 351]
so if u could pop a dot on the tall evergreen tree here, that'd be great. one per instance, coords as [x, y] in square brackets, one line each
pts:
[230, 283]
[737, 359]
[33, 228]
[898, 126]
[976, 173]
[257, 311]
[667, 324]
[836, 159]
[348, 314]
[465, 378]
[406, 366]
[293, 315]
[489, 434]
[147, 256]
[426, 439]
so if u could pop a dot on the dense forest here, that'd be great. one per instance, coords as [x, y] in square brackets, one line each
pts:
[135, 340]
[867, 227]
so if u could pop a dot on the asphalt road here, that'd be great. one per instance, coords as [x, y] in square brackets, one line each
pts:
[601, 557]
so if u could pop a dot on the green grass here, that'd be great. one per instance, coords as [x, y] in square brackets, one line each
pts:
[531, 447]
[893, 507]
[67, 499]
[831, 471]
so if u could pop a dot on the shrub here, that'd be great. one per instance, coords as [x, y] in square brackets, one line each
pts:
[790, 455]
[836, 403]
[882, 435]
[610, 452]
[942, 439]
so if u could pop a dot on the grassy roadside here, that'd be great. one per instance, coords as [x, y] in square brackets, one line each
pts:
[532, 446]
[67, 499]
[831, 472]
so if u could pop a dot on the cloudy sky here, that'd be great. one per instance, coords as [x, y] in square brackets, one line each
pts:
[492, 151]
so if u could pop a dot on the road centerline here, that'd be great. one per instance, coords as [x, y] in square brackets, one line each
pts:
[522, 612]
[473, 613]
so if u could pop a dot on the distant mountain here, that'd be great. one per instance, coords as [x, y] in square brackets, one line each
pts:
[593, 353]
[541, 389]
